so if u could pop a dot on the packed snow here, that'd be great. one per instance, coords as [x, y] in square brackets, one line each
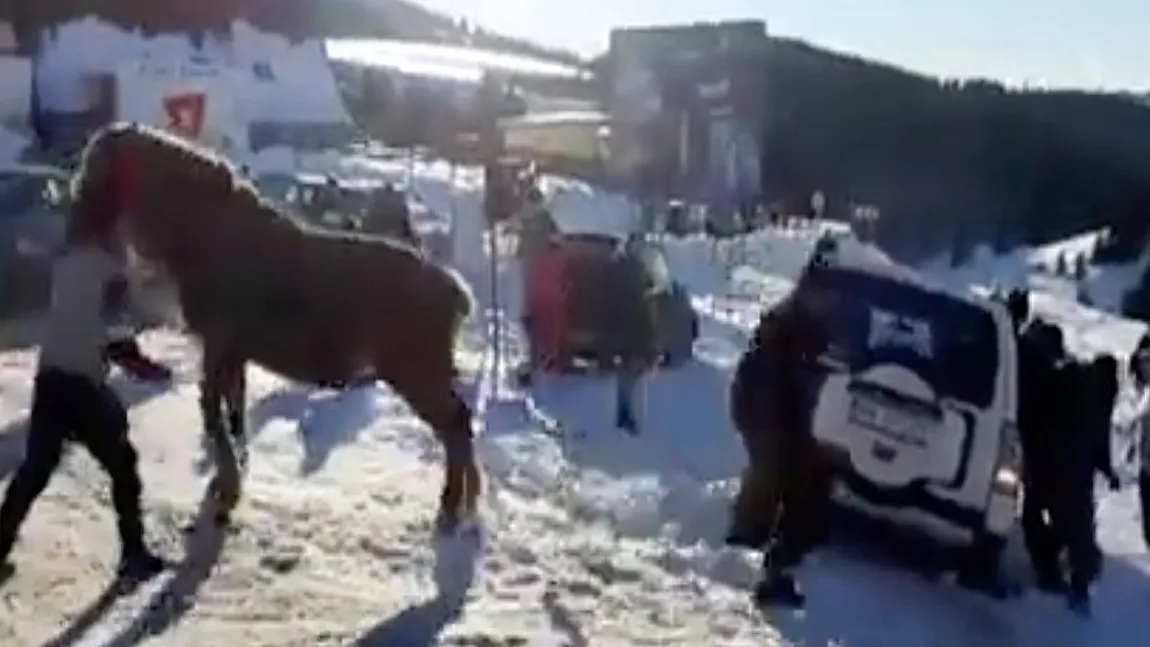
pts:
[589, 537]
[1103, 284]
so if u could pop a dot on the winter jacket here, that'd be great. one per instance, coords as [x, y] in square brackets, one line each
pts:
[1142, 429]
[1083, 438]
[772, 390]
[1140, 369]
[1099, 395]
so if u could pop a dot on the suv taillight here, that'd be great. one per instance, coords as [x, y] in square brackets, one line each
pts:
[1008, 469]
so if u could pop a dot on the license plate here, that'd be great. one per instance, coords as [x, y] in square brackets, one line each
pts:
[889, 422]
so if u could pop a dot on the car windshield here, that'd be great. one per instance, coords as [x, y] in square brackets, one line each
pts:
[277, 188]
[950, 343]
[22, 193]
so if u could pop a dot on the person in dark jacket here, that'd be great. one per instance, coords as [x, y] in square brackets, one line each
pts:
[1040, 348]
[1018, 303]
[784, 496]
[1076, 455]
[626, 315]
[1139, 368]
[1097, 411]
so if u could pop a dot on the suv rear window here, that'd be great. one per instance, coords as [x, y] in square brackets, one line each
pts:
[951, 344]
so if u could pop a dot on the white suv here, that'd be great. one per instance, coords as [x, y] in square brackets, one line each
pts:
[916, 405]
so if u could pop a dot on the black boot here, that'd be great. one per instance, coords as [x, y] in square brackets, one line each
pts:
[1078, 599]
[979, 570]
[524, 375]
[7, 568]
[984, 582]
[625, 421]
[1051, 582]
[780, 589]
[139, 564]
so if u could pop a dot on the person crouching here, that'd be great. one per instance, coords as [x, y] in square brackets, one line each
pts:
[71, 402]
[784, 496]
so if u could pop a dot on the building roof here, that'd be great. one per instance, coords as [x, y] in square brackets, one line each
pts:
[463, 64]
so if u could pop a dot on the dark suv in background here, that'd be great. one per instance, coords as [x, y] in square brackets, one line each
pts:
[33, 209]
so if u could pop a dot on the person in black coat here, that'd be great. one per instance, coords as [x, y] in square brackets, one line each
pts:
[784, 496]
[1018, 304]
[1078, 450]
[1040, 414]
[1139, 368]
[1097, 411]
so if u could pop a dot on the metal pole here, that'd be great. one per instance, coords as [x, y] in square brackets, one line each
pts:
[494, 325]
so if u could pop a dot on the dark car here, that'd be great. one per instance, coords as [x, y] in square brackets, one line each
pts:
[33, 211]
[371, 207]
[573, 276]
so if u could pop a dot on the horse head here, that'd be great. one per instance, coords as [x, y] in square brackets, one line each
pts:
[101, 189]
[145, 188]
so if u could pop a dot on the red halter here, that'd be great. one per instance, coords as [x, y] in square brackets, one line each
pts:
[122, 198]
[129, 181]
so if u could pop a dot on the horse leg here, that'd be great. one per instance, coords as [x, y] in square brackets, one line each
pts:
[213, 388]
[235, 400]
[438, 404]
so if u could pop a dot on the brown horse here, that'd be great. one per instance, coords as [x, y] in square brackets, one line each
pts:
[256, 285]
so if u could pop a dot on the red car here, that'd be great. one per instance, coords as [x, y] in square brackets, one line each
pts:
[593, 301]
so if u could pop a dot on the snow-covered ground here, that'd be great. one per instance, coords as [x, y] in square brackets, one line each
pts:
[1105, 285]
[589, 538]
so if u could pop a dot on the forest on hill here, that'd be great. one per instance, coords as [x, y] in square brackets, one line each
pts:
[951, 164]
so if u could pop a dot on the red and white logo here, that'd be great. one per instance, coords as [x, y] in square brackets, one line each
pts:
[185, 113]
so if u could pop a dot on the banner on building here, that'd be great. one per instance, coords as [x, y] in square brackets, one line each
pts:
[686, 110]
[197, 100]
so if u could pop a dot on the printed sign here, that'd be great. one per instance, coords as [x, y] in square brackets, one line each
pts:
[685, 110]
[186, 114]
[193, 99]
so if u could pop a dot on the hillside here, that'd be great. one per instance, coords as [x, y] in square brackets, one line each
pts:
[950, 163]
[328, 18]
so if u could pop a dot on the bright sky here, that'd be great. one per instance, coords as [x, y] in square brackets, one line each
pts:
[1061, 43]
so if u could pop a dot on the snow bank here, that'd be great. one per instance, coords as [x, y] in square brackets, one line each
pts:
[1106, 284]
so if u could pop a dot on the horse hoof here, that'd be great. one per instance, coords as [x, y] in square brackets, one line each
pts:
[226, 493]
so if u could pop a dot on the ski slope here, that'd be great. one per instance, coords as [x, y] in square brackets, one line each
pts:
[589, 538]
